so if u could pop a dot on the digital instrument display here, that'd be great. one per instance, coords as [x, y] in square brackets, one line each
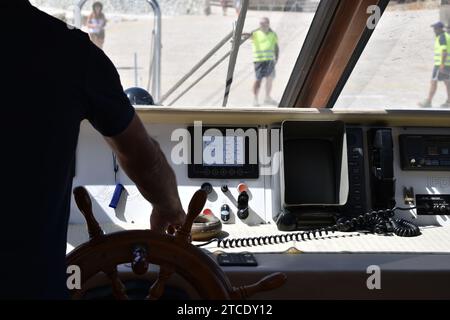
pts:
[224, 153]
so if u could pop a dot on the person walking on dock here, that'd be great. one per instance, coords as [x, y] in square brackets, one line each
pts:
[96, 23]
[265, 56]
[441, 70]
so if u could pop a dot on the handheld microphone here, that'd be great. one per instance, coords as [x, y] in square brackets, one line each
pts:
[116, 196]
[119, 187]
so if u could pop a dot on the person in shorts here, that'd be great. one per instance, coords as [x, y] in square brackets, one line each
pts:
[441, 69]
[96, 23]
[265, 56]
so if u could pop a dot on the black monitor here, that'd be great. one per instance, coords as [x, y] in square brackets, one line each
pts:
[312, 167]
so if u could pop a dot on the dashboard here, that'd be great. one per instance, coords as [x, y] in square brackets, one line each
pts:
[317, 170]
[339, 164]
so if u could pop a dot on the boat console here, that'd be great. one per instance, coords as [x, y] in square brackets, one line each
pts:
[314, 194]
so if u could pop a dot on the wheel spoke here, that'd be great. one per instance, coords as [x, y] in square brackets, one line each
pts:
[84, 204]
[157, 289]
[118, 287]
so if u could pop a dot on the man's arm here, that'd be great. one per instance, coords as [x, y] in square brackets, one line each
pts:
[277, 52]
[108, 109]
[142, 159]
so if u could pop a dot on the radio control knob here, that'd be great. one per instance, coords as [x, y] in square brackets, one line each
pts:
[207, 187]
[413, 162]
[224, 188]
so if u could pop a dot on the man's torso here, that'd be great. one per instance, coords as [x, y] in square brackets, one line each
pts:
[48, 88]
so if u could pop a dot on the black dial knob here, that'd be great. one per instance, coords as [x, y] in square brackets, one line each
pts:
[224, 188]
[207, 187]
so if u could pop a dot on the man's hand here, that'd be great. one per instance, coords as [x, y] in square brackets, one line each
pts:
[442, 68]
[162, 218]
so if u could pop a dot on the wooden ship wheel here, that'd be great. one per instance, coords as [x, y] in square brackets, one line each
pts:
[172, 253]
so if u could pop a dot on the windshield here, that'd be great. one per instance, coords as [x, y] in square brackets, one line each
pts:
[191, 29]
[403, 64]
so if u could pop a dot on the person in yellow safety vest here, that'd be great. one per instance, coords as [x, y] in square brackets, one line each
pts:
[265, 56]
[441, 70]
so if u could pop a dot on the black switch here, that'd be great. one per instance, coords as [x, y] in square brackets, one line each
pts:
[225, 213]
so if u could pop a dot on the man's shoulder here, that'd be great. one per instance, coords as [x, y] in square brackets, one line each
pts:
[262, 33]
[60, 28]
[273, 33]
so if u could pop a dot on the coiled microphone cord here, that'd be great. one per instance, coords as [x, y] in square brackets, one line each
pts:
[380, 222]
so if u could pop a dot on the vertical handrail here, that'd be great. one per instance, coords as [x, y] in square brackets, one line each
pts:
[77, 13]
[157, 39]
[235, 50]
[136, 77]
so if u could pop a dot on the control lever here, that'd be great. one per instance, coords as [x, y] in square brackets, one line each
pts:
[196, 205]
[243, 211]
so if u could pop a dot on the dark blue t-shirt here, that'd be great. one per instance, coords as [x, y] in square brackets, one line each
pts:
[53, 77]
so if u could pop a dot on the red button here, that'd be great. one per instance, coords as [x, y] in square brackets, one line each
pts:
[242, 187]
[207, 212]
